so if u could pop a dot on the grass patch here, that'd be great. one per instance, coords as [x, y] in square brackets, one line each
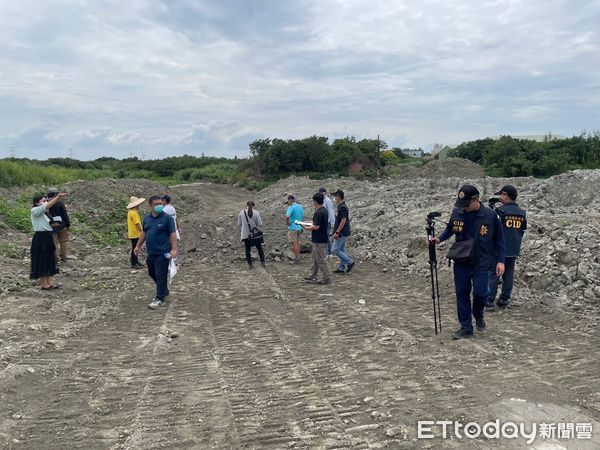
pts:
[23, 173]
[10, 250]
[17, 215]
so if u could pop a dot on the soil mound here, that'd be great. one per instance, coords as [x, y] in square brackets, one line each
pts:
[560, 260]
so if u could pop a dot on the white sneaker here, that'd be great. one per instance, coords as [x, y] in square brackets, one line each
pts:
[156, 304]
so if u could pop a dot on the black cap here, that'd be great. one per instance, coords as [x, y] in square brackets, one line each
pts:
[166, 197]
[509, 190]
[322, 190]
[338, 193]
[466, 193]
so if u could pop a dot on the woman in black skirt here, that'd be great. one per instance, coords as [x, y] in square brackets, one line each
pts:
[43, 257]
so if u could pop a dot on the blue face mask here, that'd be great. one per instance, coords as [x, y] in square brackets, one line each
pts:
[158, 209]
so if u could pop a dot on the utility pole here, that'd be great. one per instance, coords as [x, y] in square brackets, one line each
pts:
[13, 152]
[72, 153]
[378, 159]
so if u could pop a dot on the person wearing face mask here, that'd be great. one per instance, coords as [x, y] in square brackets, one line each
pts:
[43, 257]
[159, 234]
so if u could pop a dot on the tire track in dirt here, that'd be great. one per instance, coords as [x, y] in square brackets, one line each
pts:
[275, 401]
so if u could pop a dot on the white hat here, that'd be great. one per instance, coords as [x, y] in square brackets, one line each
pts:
[134, 201]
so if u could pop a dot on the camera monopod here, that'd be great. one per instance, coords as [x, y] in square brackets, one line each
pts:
[433, 268]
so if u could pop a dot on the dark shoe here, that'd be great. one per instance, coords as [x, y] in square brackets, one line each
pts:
[350, 267]
[503, 305]
[462, 333]
[310, 279]
[490, 307]
[262, 264]
[324, 282]
[480, 323]
[340, 271]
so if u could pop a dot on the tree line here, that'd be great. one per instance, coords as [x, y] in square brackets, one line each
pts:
[510, 157]
[272, 159]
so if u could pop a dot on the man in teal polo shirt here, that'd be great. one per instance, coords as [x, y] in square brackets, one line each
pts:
[294, 213]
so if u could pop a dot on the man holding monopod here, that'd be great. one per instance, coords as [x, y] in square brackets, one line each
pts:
[479, 244]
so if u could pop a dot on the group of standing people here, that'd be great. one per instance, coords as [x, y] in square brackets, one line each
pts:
[493, 240]
[492, 236]
[329, 232]
[51, 223]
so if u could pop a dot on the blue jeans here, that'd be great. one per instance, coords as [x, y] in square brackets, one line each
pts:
[158, 269]
[507, 283]
[467, 277]
[339, 250]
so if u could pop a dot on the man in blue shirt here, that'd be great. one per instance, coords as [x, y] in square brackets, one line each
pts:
[159, 234]
[294, 213]
[514, 224]
[473, 221]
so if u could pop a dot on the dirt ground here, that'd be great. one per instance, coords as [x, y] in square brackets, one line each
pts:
[259, 359]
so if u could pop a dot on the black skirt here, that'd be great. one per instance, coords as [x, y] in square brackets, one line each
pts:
[43, 257]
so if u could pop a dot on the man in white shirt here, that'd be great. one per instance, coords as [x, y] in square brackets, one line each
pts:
[170, 210]
[328, 204]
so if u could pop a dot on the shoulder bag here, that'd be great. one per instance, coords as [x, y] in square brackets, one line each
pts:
[256, 236]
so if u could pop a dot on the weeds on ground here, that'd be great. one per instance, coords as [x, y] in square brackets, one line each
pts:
[16, 215]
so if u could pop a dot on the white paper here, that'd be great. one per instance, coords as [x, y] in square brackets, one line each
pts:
[57, 219]
[305, 224]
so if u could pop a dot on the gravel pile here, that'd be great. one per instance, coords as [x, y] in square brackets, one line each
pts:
[560, 261]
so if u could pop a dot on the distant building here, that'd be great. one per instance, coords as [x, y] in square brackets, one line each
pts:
[415, 153]
[436, 149]
[443, 154]
[412, 152]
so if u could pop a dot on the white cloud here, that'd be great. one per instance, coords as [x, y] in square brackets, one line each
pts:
[181, 75]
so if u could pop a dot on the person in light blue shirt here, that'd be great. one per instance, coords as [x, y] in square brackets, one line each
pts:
[294, 213]
[328, 204]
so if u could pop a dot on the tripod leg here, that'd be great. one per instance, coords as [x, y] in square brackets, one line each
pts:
[433, 294]
[437, 290]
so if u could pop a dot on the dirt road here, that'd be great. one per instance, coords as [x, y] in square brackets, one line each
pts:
[259, 359]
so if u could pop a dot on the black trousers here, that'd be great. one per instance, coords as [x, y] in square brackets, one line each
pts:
[261, 253]
[158, 269]
[134, 259]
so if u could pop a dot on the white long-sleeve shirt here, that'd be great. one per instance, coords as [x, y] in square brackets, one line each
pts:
[254, 221]
[328, 203]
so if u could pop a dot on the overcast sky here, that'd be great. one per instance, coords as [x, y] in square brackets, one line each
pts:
[166, 77]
